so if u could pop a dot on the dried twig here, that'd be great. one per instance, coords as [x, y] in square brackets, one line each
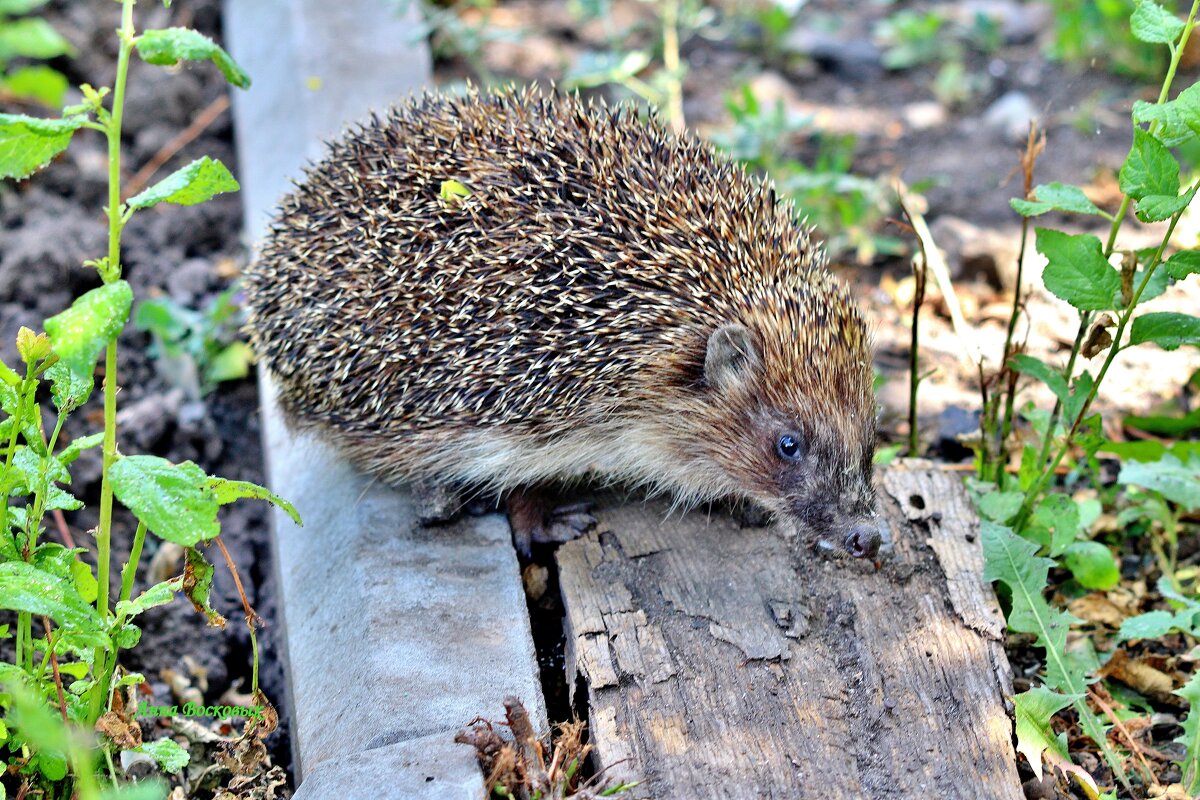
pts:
[62, 700]
[1134, 747]
[181, 140]
[65, 532]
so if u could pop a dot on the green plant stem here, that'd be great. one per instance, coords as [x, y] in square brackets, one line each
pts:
[673, 64]
[20, 643]
[1177, 51]
[1010, 395]
[914, 376]
[1123, 320]
[135, 554]
[111, 272]
[11, 450]
[33, 520]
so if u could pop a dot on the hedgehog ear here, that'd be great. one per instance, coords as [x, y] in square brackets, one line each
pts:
[731, 358]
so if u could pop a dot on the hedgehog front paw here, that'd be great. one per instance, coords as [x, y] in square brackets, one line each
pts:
[531, 522]
[750, 514]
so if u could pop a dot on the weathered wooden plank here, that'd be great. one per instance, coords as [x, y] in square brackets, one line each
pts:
[720, 664]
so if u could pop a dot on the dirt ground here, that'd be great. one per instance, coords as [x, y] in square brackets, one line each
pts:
[52, 222]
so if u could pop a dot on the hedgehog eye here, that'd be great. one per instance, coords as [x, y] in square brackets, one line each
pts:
[790, 447]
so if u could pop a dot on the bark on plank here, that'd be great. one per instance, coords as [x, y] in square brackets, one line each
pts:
[720, 662]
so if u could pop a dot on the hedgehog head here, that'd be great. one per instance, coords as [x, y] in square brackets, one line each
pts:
[789, 387]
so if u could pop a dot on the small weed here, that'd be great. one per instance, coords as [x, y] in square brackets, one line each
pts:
[197, 349]
[916, 38]
[653, 72]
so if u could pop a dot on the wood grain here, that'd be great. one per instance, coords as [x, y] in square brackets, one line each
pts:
[721, 662]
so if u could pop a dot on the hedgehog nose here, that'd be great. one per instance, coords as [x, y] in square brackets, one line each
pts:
[862, 540]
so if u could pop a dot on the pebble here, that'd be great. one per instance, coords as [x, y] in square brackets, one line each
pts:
[1011, 115]
[854, 59]
[924, 115]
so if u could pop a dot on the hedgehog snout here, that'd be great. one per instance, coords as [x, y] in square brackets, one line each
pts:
[863, 540]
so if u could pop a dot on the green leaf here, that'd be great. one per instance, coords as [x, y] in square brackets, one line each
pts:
[42, 730]
[1161, 424]
[197, 585]
[1149, 169]
[1150, 625]
[1081, 388]
[1156, 208]
[1170, 477]
[1159, 282]
[128, 637]
[1167, 329]
[1178, 119]
[1092, 564]
[1034, 708]
[1150, 175]
[1000, 506]
[157, 595]
[1039, 369]
[169, 46]
[24, 587]
[1190, 738]
[1153, 23]
[453, 192]
[228, 491]
[89, 325]
[68, 389]
[198, 181]
[29, 143]
[15, 7]
[1077, 270]
[32, 37]
[1056, 197]
[77, 446]
[85, 581]
[1182, 264]
[39, 83]
[1059, 514]
[1014, 561]
[231, 363]
[167, 752]
[174, 500]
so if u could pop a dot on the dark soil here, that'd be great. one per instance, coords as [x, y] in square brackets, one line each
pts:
[50, 225]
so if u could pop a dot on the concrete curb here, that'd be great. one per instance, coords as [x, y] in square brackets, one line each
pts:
[397, 635]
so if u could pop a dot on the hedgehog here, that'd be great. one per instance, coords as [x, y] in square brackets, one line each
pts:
[504, 291]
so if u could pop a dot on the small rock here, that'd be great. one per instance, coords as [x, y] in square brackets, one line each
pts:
[1011, 114]
[436, 502]
[1019, 23]
[855, 59]
[138, 765]
[922, 116]
[770, 88]
[950, 428]
[190, 280]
